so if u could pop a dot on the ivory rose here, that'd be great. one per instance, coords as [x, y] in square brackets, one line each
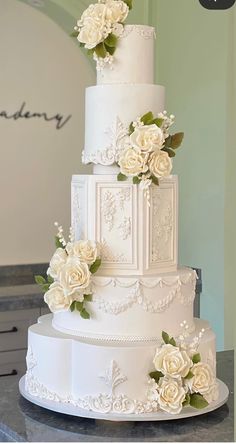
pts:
[203, 379]
[171, 394]
[91, 34]
[132, 162]
[160, 164]
[58, 260]
[94, 13]
[74, 276]
[147, 138]
[116, 11]
[171, 361]
[85, 250]
[56, 299]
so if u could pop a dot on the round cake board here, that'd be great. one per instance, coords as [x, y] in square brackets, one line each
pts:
[69, 409]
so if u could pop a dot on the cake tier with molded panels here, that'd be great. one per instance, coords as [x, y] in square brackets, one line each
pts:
[98, 376]
[134, 308]
[136, 238]
[135, 44]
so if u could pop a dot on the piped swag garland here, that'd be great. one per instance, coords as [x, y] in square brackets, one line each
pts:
[180, 378]
[99, 28]
[147, 155]
[68, 282]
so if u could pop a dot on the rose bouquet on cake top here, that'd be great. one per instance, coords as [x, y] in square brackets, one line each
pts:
[180, 377]
[100, 27]
[149, 149]
[68, 283]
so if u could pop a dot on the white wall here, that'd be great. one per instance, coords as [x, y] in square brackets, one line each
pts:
[41, 65]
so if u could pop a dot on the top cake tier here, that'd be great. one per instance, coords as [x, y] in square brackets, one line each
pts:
[134, 57]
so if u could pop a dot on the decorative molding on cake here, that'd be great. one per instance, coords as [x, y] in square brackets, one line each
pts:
[107, 254]
[136, 239]
[125, 228]
[103, 402]
[137, 296]
[117, 135]
[162, 227]
[109, 209]
[144, 31]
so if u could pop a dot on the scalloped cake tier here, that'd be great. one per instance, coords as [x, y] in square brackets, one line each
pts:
[98, 376]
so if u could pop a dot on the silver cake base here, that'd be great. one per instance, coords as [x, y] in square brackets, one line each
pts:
[68, 409]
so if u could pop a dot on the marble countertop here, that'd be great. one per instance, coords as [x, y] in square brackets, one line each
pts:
[25, 422]
[21, 297]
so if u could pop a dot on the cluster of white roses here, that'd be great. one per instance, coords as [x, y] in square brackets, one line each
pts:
[181, 379]
[99, 21]
[70, 271]
[145, 156]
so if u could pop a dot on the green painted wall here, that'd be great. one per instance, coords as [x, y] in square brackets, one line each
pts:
[195, 62]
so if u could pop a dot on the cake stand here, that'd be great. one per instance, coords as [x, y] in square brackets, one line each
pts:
[69, 409]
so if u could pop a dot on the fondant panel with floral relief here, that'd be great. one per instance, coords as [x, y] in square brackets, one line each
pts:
[135, 237]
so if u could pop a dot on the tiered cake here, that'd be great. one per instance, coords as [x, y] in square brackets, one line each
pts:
[103, 363]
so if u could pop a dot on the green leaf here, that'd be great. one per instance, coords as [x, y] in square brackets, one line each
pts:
[165, 337]
[45, 287]
[58, 243]
[111, 41]
[168, 142]
[121, 177]
[155, 180]
[131, 129]
[169, 152]
[110, 49]
[90, 52]
[186, 401]
[74, 34]
[156, 375]
[172, 342]
[50, 279]
[198, 401]
[190, 375]
[95, 266]
[84, 314]
[136, 180]
[176, 140]
[196, 358]
[88, 297]
[72, 307]
[101, 50]
[40, 280]
[147, 118]
[158, 122]
[129, 3]
[79, 306]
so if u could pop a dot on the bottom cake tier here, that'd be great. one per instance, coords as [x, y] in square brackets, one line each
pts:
[97, 375]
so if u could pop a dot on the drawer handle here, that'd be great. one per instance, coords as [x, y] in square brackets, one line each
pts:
[14, 372]
[13, 330]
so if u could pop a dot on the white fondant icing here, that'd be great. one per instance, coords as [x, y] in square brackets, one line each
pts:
[136, 42]
[153, 305]
[135, 238]
[109, 111]
[105, 378]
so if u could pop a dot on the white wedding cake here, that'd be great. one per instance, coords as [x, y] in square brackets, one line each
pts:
[105, 348]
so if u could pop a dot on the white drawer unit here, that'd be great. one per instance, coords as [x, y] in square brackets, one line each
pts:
[13, 328]
[12, 363]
